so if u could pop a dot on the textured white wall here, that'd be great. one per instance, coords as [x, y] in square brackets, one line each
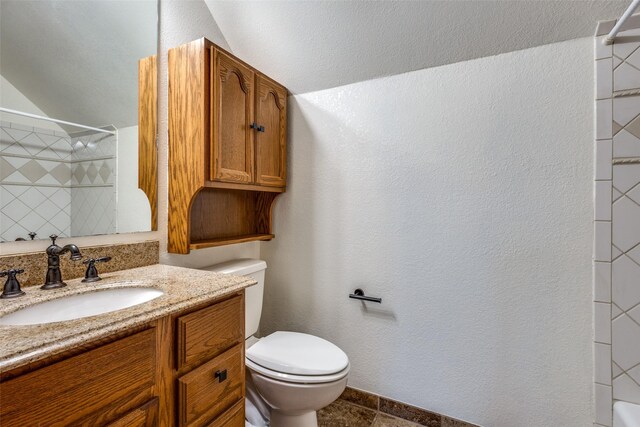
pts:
[181, 22]
[462, 196]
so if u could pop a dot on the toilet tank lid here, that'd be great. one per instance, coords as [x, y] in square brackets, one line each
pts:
[238, 267]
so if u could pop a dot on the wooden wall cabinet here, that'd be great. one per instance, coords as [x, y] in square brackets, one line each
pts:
[227, 148]
[165, 373]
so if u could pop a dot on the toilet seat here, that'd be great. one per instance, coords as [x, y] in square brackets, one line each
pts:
[296, 379]
[297, 357]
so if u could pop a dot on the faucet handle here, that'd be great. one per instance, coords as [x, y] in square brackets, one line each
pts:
[53, 238]
[91, 275]
[11, 286]
[11, 272]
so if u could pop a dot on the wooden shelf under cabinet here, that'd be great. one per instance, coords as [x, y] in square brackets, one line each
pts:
[212, 243]
[227, 148]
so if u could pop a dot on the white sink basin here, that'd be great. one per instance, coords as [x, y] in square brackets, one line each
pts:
[79, 306]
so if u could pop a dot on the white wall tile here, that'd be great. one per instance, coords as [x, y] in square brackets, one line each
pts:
[604, 404]
[626, 77]
[625, 46]
[635, 373]
[624, 388]
[602, 359]
[602, 205]
[602, 320]
[615, 311]
[634, 313]
[625, 145]
[626, 342]
[625, 177]
[626, 224]
[604, 78]
[602, 241]
[625, 283]
[600, 49]
[603, 159]
[602, 281]
[604, 117]
[625, 109]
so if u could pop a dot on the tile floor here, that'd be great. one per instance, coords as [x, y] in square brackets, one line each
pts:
[344, 414]
[358, 408]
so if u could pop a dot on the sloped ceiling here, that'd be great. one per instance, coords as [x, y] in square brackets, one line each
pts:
[78, 60]
[313, 45]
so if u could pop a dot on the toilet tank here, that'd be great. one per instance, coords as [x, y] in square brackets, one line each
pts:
[253, 268]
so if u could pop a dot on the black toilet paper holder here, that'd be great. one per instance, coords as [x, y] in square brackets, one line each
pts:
[359, 294]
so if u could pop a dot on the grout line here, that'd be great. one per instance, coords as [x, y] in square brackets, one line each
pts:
[616, 56]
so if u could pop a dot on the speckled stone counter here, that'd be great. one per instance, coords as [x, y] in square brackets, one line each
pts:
[182, 287]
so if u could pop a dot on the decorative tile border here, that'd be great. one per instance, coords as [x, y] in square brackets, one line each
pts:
[400, 410]
[123, 257]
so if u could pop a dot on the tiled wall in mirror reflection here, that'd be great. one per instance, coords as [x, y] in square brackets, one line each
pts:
[55, 183]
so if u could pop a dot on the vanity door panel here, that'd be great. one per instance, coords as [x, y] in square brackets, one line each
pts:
[232, 117]
[91, 388]
[271, 139]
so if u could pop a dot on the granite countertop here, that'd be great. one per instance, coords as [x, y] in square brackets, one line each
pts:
[182, 287]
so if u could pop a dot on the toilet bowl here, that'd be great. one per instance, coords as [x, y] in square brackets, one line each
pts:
[291, 374]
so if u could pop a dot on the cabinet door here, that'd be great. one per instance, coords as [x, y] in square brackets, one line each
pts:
[232, 115]
[271, 138]
[85, 389]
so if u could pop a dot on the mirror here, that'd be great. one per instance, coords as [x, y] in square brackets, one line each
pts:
[71, 139]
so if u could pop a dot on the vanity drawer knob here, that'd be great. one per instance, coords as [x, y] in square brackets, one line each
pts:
[221, 375]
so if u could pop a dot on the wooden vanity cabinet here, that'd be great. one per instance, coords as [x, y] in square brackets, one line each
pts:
[227, 148]
[186, 369]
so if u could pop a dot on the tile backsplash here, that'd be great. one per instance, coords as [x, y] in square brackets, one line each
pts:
[616, 272]
[55, 183]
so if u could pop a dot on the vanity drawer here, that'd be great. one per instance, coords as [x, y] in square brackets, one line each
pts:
[143, 416]
[86, 389]
[207, 391]
[206, 333]
[234, 417]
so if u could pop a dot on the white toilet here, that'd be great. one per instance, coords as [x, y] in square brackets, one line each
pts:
[289, 374]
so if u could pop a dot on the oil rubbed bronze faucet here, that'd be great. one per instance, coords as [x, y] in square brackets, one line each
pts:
[54, 276]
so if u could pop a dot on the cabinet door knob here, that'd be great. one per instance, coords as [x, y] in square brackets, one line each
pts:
[255, 126]
[260, 128]
[221, 375]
